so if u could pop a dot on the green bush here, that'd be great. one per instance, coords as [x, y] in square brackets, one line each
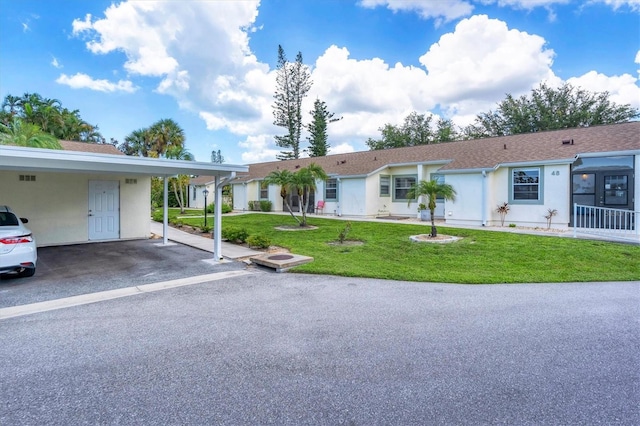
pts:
[342, 236]
[265, 206]
[235, 235]
[259, 241]
[206, 229]
[226, 208]
[157, 215]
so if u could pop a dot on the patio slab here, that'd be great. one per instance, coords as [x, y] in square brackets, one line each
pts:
[280, 261]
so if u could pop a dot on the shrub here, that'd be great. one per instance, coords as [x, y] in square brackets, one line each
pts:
[512, 225]
[206, 229]
[342, 236]
[550, 214]
[158, 215]
[503, 210]
[235, 234]
[226, 208]
[259, 241]
[265, 206]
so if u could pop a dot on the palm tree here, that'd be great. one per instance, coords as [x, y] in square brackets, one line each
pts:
[284, 179]
[306, 180]
[181, 181]
[27, 135]
[431, 189]
[165, 134]
[137, 143]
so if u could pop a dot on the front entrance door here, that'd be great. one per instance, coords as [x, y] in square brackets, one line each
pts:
[104, 210]
[611, 189]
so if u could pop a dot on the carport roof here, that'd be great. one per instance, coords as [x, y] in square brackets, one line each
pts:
[49, 160]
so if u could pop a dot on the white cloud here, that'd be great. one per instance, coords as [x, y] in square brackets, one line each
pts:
[473, 67]
[55, 63]
[617, 4]
[83, 81]
[258, 149]
[623, 89]
[441, 11]
[343, 148]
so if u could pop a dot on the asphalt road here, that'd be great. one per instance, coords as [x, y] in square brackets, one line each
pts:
[297, 349]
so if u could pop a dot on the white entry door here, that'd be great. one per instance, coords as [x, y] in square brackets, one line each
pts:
[104, 210]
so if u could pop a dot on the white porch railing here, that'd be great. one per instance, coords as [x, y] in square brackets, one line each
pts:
[605, 222]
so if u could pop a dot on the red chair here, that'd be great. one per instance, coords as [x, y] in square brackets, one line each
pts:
[320, 207]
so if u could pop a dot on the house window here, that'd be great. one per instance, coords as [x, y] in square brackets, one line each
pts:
[401, 185]
[194, 189]
[264, 190]
[440, 179]
[526, 186]
[385, 186]
[331, 189]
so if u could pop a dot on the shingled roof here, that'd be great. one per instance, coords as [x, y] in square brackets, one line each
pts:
[95, 148]
[478, 154]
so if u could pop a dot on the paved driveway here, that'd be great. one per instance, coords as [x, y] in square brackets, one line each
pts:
[299, 349]
[65, 271]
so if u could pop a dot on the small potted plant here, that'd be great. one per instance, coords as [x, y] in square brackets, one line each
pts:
[423, 211]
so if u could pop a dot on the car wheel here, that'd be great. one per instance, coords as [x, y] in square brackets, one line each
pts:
[27, 272]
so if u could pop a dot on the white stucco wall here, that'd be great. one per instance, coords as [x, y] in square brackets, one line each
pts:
[56, 205]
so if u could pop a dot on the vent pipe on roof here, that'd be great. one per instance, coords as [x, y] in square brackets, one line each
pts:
[567, 142]
[505, 146]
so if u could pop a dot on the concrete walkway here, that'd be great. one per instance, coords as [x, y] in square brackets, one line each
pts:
[229, 251]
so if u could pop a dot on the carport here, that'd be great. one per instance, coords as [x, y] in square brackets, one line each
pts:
[19, 166]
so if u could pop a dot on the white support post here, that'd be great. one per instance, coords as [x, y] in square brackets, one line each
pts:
[165, 208]
[217, 220]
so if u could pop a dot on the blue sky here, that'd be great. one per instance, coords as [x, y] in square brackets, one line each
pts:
[209, 65]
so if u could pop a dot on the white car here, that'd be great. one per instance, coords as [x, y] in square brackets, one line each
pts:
[18, 254]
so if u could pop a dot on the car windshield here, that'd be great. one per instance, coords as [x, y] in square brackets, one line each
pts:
[8, 219]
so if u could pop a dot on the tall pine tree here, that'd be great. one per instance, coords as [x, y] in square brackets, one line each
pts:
[293, 81]
[318, 144]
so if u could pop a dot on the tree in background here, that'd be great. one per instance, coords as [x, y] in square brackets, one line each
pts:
[417, 129]
[293, 81]
[136, 143]
[431, 189]
[50, 117]
[154, 141]
[547, 108]
[179, 183]
[318, 141]
[216, 157]
[28, 135]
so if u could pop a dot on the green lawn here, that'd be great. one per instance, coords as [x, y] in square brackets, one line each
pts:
[480, 257]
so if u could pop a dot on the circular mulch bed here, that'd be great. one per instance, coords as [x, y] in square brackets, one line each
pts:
[426, 238]
[348, 243]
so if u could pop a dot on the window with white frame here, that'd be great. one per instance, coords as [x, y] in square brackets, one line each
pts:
[401, 186]
[331, 189]
[526, 185]
[264, 190]
[440, 179]
[385, 185]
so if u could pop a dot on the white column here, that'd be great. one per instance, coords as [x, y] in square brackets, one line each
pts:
[165, 208]
[217, 219]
